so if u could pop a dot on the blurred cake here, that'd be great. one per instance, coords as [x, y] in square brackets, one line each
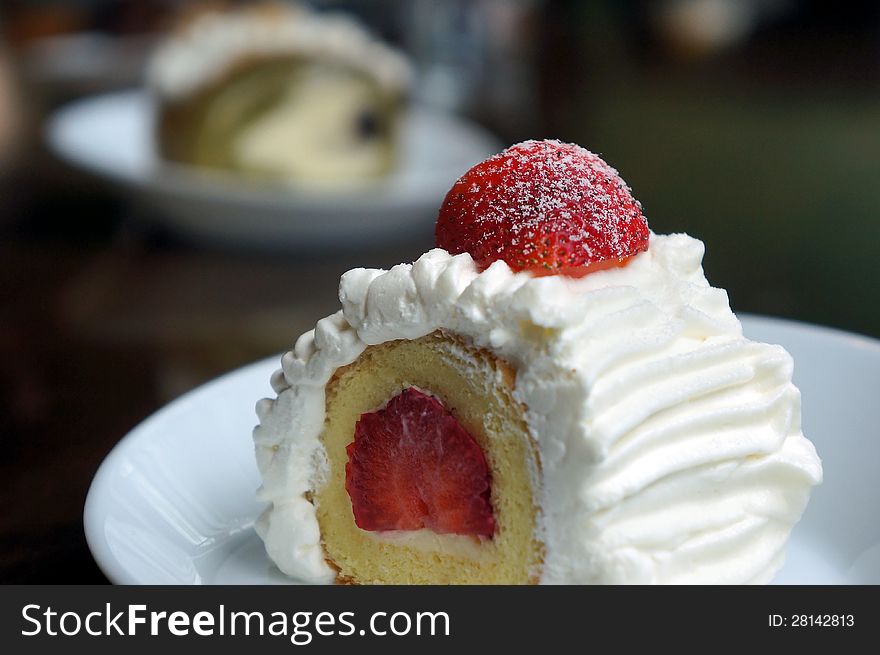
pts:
[554, 394]
[278, 92]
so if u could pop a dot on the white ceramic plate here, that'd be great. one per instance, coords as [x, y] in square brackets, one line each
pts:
[111, 136]
[174, 501]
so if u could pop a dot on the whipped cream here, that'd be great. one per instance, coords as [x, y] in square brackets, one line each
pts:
[671, 448]
[211, 43]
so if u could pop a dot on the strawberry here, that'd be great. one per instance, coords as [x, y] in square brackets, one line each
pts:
[546, 207]
[412, 465]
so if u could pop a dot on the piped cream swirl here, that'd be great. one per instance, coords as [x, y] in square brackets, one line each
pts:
[670, 445]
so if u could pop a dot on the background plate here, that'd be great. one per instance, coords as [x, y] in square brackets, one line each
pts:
[111, 136]
[173, 503]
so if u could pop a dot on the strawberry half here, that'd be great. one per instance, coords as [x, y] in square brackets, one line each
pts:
[412, 466]
[546, 207]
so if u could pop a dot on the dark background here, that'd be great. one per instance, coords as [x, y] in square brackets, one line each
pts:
[754, 125]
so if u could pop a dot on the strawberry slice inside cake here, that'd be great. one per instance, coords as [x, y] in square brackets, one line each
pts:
[412, 466]
[431, 467]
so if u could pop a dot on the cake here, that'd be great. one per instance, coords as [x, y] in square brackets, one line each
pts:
[555, 394]
[278, 92]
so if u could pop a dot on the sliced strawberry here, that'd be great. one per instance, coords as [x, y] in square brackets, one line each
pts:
[412, 466]
[546, 207]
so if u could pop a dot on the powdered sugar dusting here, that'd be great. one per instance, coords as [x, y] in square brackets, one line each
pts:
[542, 204]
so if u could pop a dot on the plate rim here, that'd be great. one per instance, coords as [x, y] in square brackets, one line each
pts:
[93, 524]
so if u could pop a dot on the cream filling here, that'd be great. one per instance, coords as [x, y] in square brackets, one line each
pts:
[431, 542]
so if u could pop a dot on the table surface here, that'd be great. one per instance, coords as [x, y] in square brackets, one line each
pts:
[97, 333]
